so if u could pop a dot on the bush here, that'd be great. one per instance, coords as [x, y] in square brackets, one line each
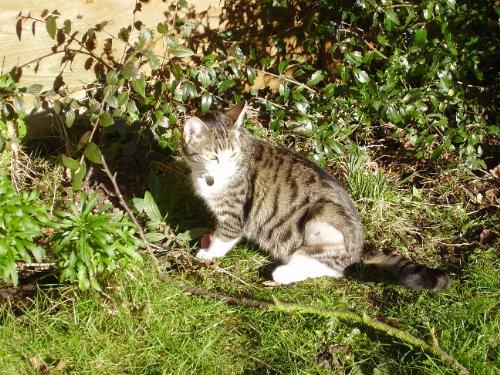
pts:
[90, 241]
[421, 75]
[22, 220]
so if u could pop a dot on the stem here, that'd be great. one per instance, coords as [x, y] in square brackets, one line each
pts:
[125, 206]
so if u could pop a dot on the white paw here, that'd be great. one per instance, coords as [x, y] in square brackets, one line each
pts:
[285, 275]
[205, 254]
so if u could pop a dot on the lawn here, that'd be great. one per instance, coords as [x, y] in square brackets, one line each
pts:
[142, 325]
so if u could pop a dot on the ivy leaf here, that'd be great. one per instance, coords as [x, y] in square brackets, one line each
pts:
[51, 26]
[67, 26]
[111, 78]
[153, 60]
[206, 102]
[93, 153]
[139, 86]
[181, 51]
[130, 71]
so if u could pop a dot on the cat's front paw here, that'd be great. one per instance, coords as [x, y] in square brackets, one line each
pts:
[205, 254]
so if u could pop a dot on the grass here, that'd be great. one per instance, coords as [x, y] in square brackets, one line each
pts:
[140, 325]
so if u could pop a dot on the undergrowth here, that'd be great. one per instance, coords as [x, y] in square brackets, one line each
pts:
[396, 99]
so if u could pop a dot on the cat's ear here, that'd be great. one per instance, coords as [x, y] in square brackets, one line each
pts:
[236, 115]
[193, 129]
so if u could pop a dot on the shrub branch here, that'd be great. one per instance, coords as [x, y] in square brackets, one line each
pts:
[125, 206]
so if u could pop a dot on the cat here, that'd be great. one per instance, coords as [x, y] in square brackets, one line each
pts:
[283, 202]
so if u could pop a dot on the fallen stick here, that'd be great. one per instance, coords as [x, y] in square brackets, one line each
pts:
[344, 315]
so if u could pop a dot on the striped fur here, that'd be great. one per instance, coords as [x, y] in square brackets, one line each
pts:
[273, 197]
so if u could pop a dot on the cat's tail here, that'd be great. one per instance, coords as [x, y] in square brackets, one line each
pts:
[412, 275]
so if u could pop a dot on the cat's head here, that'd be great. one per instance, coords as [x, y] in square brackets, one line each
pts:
[214, 139]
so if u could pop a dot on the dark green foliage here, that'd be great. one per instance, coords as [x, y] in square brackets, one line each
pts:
[422, 73]
[89, 241]
[22, 220]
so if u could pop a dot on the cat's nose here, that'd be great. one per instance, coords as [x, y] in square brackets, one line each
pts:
[209, 180]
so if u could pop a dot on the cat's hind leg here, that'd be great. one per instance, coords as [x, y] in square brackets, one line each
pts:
[322, 254]
[302, 267]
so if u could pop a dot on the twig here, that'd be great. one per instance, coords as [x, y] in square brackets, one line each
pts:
[348, 316]
[37, 266]
[285, 78]
[125, 206]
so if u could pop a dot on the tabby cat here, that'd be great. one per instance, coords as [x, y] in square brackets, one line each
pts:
[281, 201]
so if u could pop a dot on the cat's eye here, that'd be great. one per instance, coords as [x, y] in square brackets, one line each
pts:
[213, 157]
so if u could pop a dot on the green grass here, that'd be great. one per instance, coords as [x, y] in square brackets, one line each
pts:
[140, 325]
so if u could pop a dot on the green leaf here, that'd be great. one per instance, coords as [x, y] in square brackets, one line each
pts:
[420, 37]
[329, 90]
[353, 57]
[154, 236]
[151, 208]
[139, 86]
[316, 78]
[38, 252]
[224, 85]
[67, 26]
[206, 102]
[51, 26]
[35, 88]
[111, 78]
[361, 76]
[193, 234]
[181, 51]
[130, 71]
[93, 153]
[124, 34]
[83, 280]
[112, 101]
[69, 118]
[251, 74]
[123, 98]
[78, 175]
[70, 163]
[106, 120]
[153, 60]
[162, 28]
[84, 139]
